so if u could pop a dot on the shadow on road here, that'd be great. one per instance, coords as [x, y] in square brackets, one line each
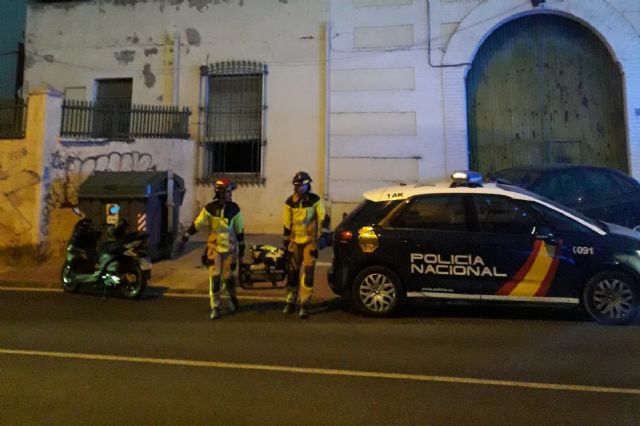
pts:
[265, 307]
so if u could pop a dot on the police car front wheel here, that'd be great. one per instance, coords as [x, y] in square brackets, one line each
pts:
[611, 298]
[376, 291]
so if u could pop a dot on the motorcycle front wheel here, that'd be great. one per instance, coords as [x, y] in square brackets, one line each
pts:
[133, 281]
[68, 278]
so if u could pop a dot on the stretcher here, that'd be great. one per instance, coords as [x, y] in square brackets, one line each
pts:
[267, 263]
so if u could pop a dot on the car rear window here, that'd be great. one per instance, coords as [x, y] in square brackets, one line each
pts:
[368, 212]
[627, 183]
[522, 178]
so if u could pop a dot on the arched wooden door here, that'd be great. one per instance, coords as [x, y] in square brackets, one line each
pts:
[545, 89]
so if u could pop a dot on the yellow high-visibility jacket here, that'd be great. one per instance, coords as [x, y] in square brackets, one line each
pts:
[302, 217]
[225, 222]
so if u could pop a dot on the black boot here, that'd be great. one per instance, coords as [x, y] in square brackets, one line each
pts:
[233, 305]
[289, 308]
[215, 314]
[304, 311]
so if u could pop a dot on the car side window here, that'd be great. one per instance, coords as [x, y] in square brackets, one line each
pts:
[593, 185]
[558, 221]
[504, 216]
[562, 188]
[436, 212]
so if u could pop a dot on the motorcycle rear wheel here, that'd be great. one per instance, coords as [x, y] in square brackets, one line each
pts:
[133, 282]
[68, 278]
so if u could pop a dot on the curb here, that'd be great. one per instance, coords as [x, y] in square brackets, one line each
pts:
[7, 285]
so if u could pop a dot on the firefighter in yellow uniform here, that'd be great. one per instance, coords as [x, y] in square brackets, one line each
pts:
[224, 245]
[303, 215]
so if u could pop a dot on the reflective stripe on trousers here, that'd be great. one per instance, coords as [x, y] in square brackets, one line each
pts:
[220, 273]
[300, 270]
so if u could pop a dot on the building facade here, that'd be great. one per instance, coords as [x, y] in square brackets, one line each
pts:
[251, 72]
[359, 93]
[421, 88]
[13, 14]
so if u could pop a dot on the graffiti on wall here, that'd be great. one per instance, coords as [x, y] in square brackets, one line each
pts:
[17, 186]
[61, 179]
[12, 217]
[69, 169]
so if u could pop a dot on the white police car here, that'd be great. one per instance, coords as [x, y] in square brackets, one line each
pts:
[486, 242]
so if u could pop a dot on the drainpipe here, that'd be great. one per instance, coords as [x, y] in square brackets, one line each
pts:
[170, 203]
[176, 68]
[327, 112]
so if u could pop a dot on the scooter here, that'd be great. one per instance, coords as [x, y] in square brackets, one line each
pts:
[121, 262]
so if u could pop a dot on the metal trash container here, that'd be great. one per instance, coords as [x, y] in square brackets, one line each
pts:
[149, 201]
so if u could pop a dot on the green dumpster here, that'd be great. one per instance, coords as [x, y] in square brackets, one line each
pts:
[149, 201]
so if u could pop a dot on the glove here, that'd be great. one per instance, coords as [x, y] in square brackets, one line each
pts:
[285, 244]
[324, 240]
[179, 247]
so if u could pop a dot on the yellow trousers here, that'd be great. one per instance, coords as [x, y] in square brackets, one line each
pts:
[301, 263]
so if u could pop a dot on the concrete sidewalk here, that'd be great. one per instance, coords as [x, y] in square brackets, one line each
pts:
[183, 275]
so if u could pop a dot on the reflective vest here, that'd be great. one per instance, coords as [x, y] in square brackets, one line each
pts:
[225, 222]
[302, 216]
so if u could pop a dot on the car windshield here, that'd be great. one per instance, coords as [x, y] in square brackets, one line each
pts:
[559, 206]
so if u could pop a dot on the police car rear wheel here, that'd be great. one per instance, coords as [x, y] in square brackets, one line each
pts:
[376, 291]
[611, 298]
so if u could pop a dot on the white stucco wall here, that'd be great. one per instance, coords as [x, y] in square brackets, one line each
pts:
[66, 163]
[84, 158]
[386, 104]
[390, 97]
[381, 78]
[71, 45]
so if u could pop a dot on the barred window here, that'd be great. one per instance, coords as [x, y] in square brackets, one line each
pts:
[233, 120]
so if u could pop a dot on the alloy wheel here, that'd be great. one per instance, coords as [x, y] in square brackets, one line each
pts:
[378, 293]
[613, 299]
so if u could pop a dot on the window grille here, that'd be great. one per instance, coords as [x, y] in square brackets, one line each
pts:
[233, 119]
[13, 118]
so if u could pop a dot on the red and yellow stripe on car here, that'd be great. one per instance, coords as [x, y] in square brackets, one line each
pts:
[535, 276]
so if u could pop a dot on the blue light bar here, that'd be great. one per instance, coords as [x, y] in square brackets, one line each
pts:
[467, 177]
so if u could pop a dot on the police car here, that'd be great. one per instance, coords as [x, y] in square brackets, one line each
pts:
[476, 241]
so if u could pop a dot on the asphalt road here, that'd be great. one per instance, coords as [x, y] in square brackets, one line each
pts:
[82, 359]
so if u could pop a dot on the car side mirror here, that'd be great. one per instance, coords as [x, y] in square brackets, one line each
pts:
[544, 233]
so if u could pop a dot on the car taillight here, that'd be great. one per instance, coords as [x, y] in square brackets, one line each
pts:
[345, 235]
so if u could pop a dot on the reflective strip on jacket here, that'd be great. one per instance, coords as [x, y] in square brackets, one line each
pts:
[302, 216]
[225, 222]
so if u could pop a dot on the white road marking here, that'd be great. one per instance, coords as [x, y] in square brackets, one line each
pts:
[43, 290]
[325, 371]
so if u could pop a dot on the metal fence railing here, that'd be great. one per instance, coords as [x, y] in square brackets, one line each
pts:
[97, 120]
[13, 118]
